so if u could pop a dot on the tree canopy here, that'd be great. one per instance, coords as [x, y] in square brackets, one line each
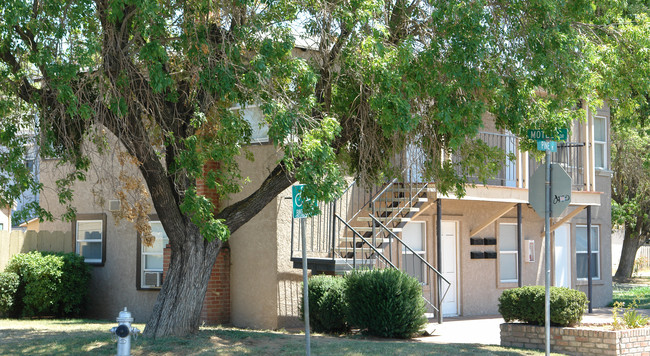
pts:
[375, 76]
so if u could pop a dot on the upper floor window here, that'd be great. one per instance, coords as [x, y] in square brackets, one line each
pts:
[255, 118]
[600, 142]
[90, 237]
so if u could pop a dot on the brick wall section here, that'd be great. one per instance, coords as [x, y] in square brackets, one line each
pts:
[578, 341]
[216, 305]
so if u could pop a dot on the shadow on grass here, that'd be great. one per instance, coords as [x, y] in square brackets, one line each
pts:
[63, 337]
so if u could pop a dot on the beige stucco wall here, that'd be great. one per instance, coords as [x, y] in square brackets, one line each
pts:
[254, 251]
[113, 285]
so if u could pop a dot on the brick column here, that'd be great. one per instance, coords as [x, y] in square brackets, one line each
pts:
[216, 305]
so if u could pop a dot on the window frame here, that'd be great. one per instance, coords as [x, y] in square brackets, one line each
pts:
[514, 252]
[101, 217]
[602, 165]
[598, 259]
[139, 280]
[423, 253]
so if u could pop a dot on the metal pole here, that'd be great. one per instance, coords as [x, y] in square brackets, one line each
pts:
[439, 255]
[547, 257]
[305, 287]
[589, 276]
[519, 249]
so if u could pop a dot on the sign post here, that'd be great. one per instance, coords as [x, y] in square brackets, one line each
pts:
[299, 214]
[556, 198]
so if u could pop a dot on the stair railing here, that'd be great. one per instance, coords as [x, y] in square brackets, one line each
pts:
[423, 263]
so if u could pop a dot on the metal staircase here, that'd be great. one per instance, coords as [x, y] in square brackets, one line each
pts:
[361, 229]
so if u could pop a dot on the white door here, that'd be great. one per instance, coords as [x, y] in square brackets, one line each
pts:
[449, 267]
[562, 264]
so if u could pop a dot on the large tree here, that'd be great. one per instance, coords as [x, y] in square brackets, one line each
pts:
[162, 77]
[631, 193]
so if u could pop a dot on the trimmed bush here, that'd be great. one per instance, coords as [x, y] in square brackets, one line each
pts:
[75, 280]
[385, 303]
[51, 284]
[326, 304]
[526, 304]
[8, 287]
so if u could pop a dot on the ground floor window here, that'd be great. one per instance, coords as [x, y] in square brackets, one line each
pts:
[508, 255]
[90, 237]
[582, 254]
[151, 258]
[413, 235]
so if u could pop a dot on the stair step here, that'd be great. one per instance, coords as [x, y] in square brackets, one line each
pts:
[412, 189]
[401, 199]
[406, 210]
[385, 218]
[378, 229]
[350, 239]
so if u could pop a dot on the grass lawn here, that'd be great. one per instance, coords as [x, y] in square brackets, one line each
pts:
[83, 337]
[627, 295]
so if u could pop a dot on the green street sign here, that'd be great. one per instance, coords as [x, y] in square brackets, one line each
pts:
[298, 202]
[539, 135]
[550, 146]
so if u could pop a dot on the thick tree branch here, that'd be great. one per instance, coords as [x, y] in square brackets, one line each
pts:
[241, 212]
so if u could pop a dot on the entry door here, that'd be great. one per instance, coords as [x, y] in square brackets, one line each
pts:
[562, 247]
[449, 267]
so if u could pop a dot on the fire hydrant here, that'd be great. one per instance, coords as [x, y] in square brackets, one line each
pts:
[123, 332]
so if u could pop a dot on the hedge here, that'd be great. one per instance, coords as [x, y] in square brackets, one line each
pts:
[50, 284]
[8, 287]
[526, 304]
[385, 303]
[326, 304]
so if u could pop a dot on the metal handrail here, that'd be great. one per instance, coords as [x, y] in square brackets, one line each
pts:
[418, 256]
[356, 233]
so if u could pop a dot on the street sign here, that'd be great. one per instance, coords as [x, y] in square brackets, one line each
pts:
[539, 135]
[560, 190]
[296, 191]
[550, 146]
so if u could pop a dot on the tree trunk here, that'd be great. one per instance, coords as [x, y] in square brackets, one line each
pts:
[628, 254]
[177, 311]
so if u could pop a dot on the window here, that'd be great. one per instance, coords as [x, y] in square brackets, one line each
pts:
[90, 237]
[150, 258]
[2, 226]
[582, 254]
[255, 117]
[413, 235]
[508, 256]
[600, 142]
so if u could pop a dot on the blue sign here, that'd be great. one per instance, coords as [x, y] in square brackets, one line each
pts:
[550, 146]
[298, 201]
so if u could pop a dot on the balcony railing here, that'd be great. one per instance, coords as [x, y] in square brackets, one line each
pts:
[569, 155]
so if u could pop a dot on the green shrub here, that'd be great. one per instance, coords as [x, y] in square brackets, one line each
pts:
[326, 304]
[75, 279]
[51, 284]
[526, 304]
[8, 287]
[385, 303]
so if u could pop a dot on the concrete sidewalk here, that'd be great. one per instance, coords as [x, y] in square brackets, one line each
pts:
[485, 329]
